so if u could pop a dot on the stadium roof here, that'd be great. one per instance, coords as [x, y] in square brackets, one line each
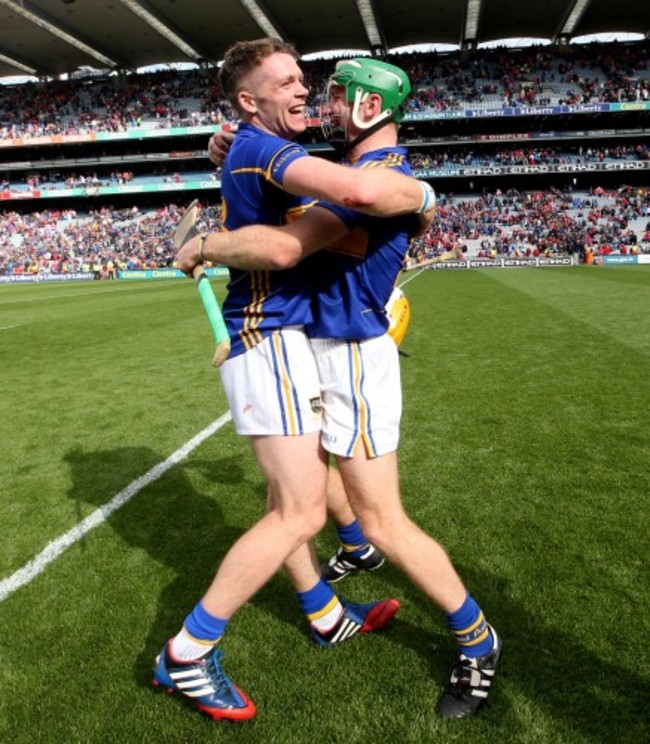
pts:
[52, 37]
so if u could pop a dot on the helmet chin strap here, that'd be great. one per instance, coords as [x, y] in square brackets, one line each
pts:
[343, 147]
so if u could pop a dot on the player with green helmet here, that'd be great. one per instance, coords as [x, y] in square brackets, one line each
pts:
[357, 360]
[359, 78]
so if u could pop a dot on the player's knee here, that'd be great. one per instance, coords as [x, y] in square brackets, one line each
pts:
[381, 529]
[305, 522]
[315, 519]
[375, 534]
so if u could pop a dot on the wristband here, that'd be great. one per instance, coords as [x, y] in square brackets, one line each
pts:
[428, 197]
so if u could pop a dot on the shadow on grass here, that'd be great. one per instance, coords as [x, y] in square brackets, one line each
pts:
[188, 528]
[552, 669]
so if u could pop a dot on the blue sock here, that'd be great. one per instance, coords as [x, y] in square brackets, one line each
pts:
[471, 629]
[203, 626]
[352, 538]
[318, 602]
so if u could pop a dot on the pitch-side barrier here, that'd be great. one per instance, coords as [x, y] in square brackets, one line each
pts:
[470, 263]
[507, 263]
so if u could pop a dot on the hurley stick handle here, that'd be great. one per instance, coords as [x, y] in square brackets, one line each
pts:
[214, 316]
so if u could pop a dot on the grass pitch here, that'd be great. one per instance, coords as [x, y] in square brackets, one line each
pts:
[525, 450]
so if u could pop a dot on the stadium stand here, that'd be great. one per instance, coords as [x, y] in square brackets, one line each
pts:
[539, 151]
[604, 73]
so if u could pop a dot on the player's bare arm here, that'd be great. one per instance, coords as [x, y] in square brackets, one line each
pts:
[424, 221]
[380, 192]
[262, 247]
[219, 145]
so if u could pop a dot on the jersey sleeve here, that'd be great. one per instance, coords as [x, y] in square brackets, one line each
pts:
[349, 217]
[394, 161]
[286, 154]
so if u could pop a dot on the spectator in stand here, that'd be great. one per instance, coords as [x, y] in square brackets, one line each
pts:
[479, 79]
[60, 241]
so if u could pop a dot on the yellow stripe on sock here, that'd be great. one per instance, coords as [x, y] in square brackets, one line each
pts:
[478, 640]
[350, 548]
[473, 626]
[321, 613]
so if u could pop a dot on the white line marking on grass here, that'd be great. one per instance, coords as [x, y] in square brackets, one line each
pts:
[57, 547]
[6, 328]
[410, 279]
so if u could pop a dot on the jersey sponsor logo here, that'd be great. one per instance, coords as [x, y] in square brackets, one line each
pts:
[288, 153]
[392, 160]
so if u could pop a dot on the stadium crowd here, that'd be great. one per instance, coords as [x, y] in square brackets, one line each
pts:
[102, 241]
[537, 223]
[494, 224]
[515, 223]
[441, 158]
[432, 160]
[536, 76]
[539, 76]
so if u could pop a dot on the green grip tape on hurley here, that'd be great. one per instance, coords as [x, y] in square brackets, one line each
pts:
[215, 317]
[212, 309]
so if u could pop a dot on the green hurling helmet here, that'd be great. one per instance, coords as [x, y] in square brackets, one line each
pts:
[365, 75]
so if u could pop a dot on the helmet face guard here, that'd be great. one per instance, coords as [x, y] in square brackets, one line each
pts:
[333, 116]
[352, 82]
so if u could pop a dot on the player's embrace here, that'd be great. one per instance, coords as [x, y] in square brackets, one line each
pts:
[271, 378]
[357, 361]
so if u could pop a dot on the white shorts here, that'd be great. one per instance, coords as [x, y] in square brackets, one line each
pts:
[273, 388]
[362, 394]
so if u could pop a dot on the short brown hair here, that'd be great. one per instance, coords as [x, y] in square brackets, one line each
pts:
[245, 56]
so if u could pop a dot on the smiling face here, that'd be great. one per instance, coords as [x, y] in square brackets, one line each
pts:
[336, 103]
[273, 96]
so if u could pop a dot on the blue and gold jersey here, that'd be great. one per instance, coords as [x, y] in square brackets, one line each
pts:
[259, 302]
[357, 273]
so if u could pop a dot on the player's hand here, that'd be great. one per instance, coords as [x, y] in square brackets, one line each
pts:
[188, 257]
[218, 147]
[424, 221]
